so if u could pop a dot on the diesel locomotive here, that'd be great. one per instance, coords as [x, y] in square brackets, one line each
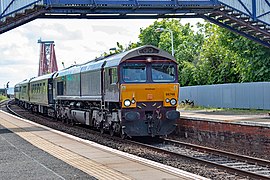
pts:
[133, 93]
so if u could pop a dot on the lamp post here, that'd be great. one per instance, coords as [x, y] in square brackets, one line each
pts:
[6, 89]
[163, 30]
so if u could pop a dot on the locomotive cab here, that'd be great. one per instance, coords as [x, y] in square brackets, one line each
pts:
[148, 95]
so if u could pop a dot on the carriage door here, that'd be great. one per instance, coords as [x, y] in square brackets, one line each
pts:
[50, 91]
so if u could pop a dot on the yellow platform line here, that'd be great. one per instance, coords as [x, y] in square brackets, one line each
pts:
[86, 165]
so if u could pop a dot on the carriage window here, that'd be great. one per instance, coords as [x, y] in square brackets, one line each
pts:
[134, 72]
[113, 76]
[24, 89]
[35, 88]
[15, 89]
[163, 72]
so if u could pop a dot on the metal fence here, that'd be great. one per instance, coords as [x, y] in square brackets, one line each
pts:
[254, 95]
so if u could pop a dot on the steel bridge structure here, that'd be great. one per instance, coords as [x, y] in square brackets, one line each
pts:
[249, 18]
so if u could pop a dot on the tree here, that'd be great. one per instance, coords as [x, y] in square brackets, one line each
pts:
[209, 54]
[187, 44]
[254, 62]
[217, 63]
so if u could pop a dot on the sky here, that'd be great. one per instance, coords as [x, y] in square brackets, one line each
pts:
[75, 40]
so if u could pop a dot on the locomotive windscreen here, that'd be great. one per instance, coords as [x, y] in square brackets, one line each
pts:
[134, 72]
[163, 72]
[149, 72]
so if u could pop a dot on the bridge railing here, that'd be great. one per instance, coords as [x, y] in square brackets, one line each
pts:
[258, 10]
[149, 3]
[10, 7]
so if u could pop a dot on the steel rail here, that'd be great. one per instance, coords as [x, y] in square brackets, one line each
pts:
[10, 109]
[208, 162]
[249, 159]
[4, 102]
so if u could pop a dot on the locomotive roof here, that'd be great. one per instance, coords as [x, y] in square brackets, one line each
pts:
[115, 60]
[70, 70]
[46, 76]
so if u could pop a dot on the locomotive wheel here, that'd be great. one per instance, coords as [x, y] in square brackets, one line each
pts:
[101, 128]
[111, 131]
[123, 135]
[63, 120]
[71, 122]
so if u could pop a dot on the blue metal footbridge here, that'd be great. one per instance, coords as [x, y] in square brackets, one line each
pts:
[249, 18]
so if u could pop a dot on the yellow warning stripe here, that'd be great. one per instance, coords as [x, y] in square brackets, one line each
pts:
[88, 166]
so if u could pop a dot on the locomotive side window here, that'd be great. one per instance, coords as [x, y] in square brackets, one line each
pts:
[134, 72]
[113, 76]
[163, 72]
[60, 88]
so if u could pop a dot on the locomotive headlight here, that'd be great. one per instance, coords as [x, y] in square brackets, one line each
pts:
[167, 100]
[133, 101]
[127, 102]
[173, 102]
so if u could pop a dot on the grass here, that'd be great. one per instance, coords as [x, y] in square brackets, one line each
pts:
[2, 98]
[191, 107]
[222, 110]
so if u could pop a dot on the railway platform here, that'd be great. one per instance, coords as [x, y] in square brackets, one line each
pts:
[32, 151]
[244, 132]
[262, 119]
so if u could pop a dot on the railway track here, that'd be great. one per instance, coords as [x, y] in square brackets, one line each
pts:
[3, 103]
[253, 168]
[7, 104]
[234, 163]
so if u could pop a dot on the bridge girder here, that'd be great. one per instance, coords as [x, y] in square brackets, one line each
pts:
[249, 18]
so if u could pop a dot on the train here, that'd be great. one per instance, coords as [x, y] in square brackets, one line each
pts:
[132, 93]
